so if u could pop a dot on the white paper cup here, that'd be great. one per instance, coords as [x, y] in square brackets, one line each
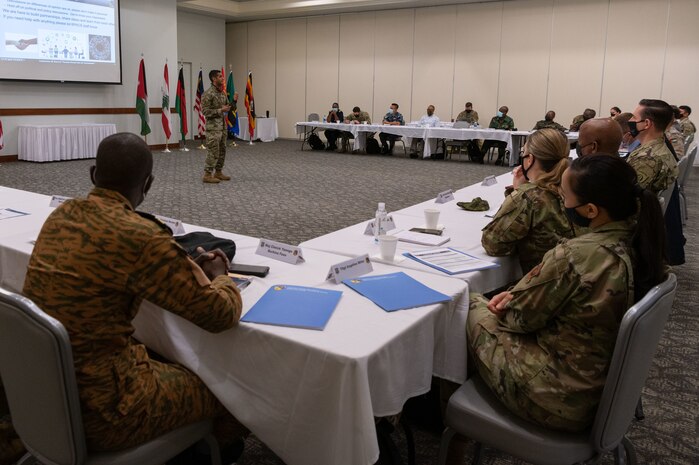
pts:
[431, 218]
[387, 247]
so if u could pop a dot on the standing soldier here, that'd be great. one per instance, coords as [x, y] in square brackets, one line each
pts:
[214, 106]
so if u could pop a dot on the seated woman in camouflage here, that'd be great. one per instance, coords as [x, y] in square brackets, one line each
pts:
[544, 347]
[532, 220]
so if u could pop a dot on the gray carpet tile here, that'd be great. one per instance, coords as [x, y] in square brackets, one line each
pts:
[284, 194]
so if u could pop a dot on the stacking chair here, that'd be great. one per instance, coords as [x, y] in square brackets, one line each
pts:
[688, 142]
[685, 168]
[664, 197]
[36, 363]
[307, 132]
[450, 145]
[473, 411]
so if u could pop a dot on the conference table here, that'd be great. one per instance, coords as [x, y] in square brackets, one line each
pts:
[311, 396]
[41, 143]
[266, 129]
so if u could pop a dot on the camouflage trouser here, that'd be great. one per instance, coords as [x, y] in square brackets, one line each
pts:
[181, 398]
[485, 342]
[216, 147]
[11, 448]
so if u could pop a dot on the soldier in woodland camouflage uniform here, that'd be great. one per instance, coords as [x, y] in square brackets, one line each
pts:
[532, 219]
[589, 113]
[548, 122]
[214, 104]
[544, 347]
[499, 121]
[655, 165]
[94, 262]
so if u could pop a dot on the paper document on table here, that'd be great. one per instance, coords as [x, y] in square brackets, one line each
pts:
[450, 261]
[420, 238]
[6, 213]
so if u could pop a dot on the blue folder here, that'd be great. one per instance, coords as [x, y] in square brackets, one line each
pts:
[295, 306]
[396, 291]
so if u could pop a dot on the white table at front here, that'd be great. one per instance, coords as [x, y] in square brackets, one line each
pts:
[266, 129]
[61, 142]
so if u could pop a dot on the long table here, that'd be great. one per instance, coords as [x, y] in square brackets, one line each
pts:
[61, 142]
[311, 396]
[266, 129]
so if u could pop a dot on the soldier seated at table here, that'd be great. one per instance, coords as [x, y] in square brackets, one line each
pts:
[589, 113]
[469, 115]
[599, 135]
[94, 262]
[392, 118]
[334, 116]
[548, 122]
[499, 121]
[427, 120]
[356, 117]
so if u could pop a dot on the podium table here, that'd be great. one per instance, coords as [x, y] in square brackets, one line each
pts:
[42, 143]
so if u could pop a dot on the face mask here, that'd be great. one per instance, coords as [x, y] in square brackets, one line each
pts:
[334, 109]
[469, 111]
[525, 170]
[499, 114]
[633, 128]
[576, 218]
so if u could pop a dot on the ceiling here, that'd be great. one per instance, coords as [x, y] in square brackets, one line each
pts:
[246, 10]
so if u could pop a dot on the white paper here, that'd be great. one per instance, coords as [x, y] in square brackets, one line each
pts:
[280, 251]
[57, 200]
[444, 197]
[6, 213]
[175, 225]
[351, 268]
[452, 261]
[420, 238]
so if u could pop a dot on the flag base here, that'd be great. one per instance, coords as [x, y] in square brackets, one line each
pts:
[202, 147]
[184, 149]
[251, 143]
[167, 150]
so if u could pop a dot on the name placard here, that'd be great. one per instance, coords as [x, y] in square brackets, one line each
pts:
[175, 225]
[444, 197]
[489, 180]
[57, 200]
[280, 251]
[351, 268]
[386, 225]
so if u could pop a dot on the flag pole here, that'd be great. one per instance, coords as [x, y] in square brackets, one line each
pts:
[167, 139]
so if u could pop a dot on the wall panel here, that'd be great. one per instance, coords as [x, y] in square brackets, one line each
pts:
[322, 63]
[262, 46]
[291, 75]
[357, 62]
[681, 73]
[237, 54]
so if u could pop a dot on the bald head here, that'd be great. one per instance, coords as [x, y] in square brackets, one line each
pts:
[599, 135]
[124, 164]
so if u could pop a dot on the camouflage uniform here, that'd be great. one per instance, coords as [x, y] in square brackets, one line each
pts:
[687, 127]
[547, 357]
[346, 135]
[388, 140]
[529, 223]
[216, 134]
[468, 117]
[93, 264]
[654, 164]
[543, 124]
[676, 139]
[505, 123]
[577, 121]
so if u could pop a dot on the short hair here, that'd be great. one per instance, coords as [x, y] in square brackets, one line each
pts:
[356, 110]
[658, 111]
[213, 73]
[675, 111]
[617, 109]
[469, 104]
[397, 106]
[552, 113]
[123, 162]
[623, 120]
[507, 110]
[335, 103]
[686, 108]
[589, 111]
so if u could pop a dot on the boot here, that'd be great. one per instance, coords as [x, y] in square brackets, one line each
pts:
[222, 177]
[209, 178]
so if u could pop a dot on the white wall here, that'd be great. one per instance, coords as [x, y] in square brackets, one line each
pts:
[151, 27]
[531, 55]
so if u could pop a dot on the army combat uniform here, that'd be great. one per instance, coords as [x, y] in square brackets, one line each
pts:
[547, 357]
[687, 127]
[470, 118]
[361, 119]
[93, 264]
[655, 165]
[543, 124]
[529, 223]
[211, 103]
[577, 121]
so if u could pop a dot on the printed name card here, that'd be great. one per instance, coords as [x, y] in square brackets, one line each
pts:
[175, 225]
[444, 197]
[280, 251]
[57, 200]
[350, 269]
[386, 225]
[489, 180]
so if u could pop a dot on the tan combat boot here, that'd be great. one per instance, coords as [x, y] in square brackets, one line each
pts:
[222, 177]
[209, 178]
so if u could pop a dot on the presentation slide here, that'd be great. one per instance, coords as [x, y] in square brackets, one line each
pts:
[60, 40]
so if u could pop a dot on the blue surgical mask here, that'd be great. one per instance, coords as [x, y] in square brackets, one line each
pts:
[499, 114]
[390, 110]
[576, 218]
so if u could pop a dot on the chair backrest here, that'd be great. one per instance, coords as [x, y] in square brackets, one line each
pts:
[664, 197]
[36, 363]
[313, 117]
[462, 124]
[638, 337]
[687, 167]
[688, 141]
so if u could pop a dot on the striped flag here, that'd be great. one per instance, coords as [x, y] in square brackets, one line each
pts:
[2, 138]
[142, 100]
[181, 104]
[201, 121]
[165, 91]
[250, 105]
[232, 118]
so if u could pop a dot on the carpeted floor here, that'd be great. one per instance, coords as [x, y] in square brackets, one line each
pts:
[281, 193]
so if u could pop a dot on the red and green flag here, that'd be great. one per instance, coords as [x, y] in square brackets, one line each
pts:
[181, 104]
[142, 99]
[165, 93]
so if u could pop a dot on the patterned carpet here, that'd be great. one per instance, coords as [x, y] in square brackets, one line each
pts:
[284, 194]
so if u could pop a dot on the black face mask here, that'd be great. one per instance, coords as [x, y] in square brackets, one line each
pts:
[576, 218]
[525, 170]
[633, 128]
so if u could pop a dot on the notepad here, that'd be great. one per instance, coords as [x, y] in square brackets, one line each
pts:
[420, 238]
[396, 291]
[450, 261]
[294, 306]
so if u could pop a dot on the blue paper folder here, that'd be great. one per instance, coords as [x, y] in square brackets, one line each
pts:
[295, 306]
[396, 291]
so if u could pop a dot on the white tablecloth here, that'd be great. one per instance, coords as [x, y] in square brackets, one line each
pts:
[311, 396]
[61, 142]
[266, 129]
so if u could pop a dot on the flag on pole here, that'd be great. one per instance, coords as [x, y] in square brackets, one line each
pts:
[250, 106]
[232, 118]
[165, 91]
[201, 120]
[142, 100]
[181, 104]
[2, 139]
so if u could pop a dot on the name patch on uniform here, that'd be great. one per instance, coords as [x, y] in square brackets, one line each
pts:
[350, 269]
[57, 200]
[444, 197]
[280, 251]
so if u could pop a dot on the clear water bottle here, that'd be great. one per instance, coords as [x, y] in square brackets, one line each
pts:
[379, 219]
[324, 119]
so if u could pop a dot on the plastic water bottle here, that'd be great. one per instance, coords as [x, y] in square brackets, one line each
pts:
[324, 119]
[379, 218]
